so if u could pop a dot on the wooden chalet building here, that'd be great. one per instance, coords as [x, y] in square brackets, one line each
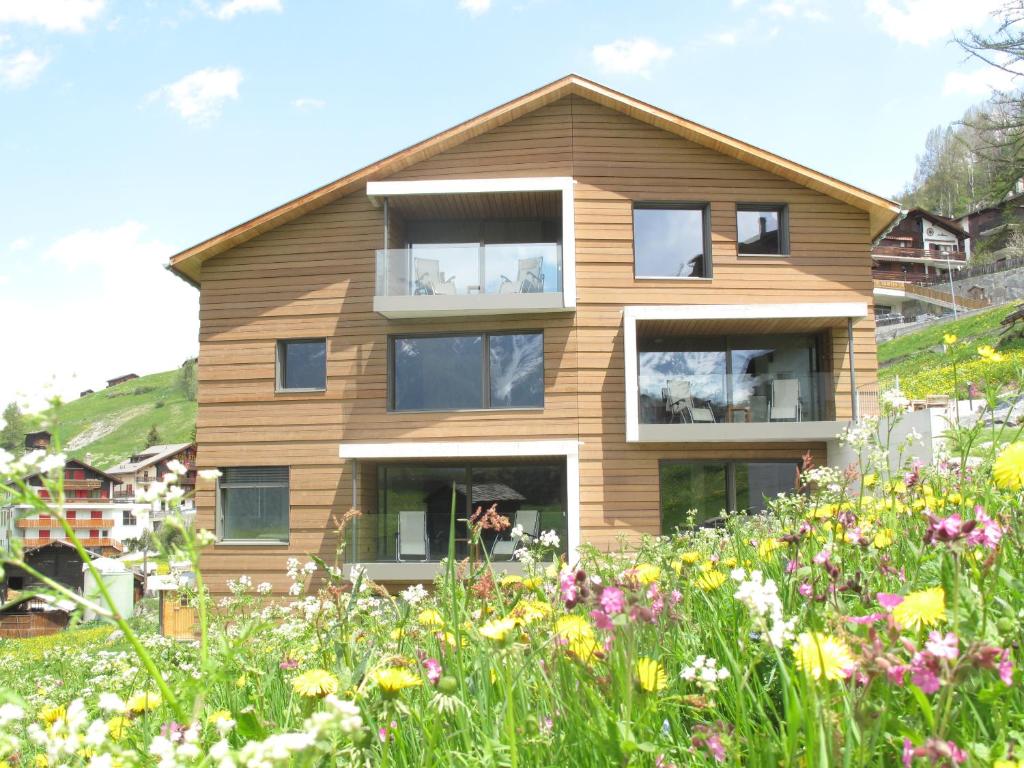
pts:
[922, 244]
[582, 308]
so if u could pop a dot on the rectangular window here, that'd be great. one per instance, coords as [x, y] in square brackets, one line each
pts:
[302, 364]
[694, 492]
[253, 504]
[671, 240]
[762, 230]
[443, 373]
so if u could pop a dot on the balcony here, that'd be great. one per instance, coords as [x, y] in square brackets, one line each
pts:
[463, 247]
[464, 279]
[896, 253]
[89, 542]
[745, 373]
[53, 523]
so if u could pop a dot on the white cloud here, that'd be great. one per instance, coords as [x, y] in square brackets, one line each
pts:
[981, 82]
[780, 8]
[475, 7]
[198, 97]
[632, 57]
[724, 38]
[20, 244]
[232, 8]
[115, 309]
[21, 69]
[921, 22]
[53, 15]
[4, 279]
[308, 103]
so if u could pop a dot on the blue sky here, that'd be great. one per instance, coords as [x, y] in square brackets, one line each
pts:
[130, 130]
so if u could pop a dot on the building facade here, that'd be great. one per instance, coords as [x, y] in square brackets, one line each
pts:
[585, 311]
[147, 466]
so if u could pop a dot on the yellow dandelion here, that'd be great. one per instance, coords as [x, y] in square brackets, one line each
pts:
[729, 562]
[870, 480]
[1008, 470]
[529, 611]
[143, 702]
[118, 726]
[393, 680]
[884, 538]
[987, 352]
[690, 557]
[510, 580]
[573, 628]
[315, 683]
[497, 629]
[41, 761]
[650, 675]
[710, 581]
[822, 512]
[820, 655]
[50, 715]
[218, 716]
[924, 608]
[644, 573]
[397, 633]
[586, 649]
[430, 618]
[533, 582]
[949, 338]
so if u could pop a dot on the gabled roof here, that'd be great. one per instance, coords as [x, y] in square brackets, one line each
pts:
[881, 211]
[149, 456]
[947, 224]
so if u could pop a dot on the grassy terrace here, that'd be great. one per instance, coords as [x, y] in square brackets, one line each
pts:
[113, 423]
[924, 367]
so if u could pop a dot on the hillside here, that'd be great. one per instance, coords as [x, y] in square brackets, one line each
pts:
[924, 367]
[113, 423]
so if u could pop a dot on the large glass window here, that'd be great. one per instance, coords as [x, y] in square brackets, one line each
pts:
[700, 492]
[415, 501]
[302, 364]
[762, 230]
[671, 241]
[743, 378]
[436, 373]
[253, 504]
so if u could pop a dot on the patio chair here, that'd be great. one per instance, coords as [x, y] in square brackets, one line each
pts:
[785, 402]
[411, 536]
[430, 280]
[529, 277]
[679, 402]
[529, 519]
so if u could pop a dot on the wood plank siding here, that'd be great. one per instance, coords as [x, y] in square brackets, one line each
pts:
[314, 276]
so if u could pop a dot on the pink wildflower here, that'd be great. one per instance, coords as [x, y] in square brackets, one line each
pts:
[805, 589]
[570, 593]
[923, 668]
[657, 601]
[871, 618]
[613, 600]
[675, 596]
[889, 600]
[1006, 668]
[433, 667]
[791, 566]
[988, 532]
[947, 647]
[896, 673]
[602, 620]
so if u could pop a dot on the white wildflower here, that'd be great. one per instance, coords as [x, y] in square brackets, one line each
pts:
[209, 474]
[414, 594]
[264, 588]
[10, 712]
[111, 702]
[177, 467]
[550, 539]
[517, 531]
[52, 462]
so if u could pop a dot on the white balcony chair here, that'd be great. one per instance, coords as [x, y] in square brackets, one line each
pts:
[411, 537]
[679, 402]
[430, 280]
[529, 277]
[529, 519]
[785, 404]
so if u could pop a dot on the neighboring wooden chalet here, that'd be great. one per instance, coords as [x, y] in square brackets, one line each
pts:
[583, 308]
[150, 464]
[921, 244]
[121, 379]
[992, 228]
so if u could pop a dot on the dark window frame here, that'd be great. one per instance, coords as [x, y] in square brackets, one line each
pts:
[782, 209]
[220, 511]
[485, 362]
[280, 364]
[677, 205]
[730, 481]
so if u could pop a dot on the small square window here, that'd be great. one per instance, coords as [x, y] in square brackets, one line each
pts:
[762, 230]
[253, 504]
[302, 364]
[671, 240]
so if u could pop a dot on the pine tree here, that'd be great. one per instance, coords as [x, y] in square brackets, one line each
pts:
[12, 436]
[153, 437]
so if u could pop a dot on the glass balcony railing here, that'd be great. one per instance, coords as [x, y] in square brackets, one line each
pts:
[461, 269]
[716, 398]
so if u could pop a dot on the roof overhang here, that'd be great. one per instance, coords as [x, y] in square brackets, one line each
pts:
[881, 212]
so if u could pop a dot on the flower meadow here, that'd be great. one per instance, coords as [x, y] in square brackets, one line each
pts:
[872, 617]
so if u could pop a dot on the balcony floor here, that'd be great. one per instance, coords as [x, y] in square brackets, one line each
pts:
[398, 307]
[741, 432]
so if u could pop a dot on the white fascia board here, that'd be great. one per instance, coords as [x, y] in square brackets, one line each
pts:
[632, 376]
[416, 449]
[469, 186]
[794, 311]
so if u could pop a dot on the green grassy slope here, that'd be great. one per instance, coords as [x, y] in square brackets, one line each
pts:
[924, 367]
[113, 423]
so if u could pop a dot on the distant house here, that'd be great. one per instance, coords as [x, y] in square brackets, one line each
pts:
[922, 244]
[121, 379]
[38, 441]
[55, 559]
[992, 228]
[88, 506]
[149, 465]
[85, 392]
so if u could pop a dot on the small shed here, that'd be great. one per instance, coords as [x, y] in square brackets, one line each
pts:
[58, 560]
[119, 582]
[34, 616]
[178, 617]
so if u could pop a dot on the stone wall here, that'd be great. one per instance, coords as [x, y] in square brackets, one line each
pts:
[999, 287]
